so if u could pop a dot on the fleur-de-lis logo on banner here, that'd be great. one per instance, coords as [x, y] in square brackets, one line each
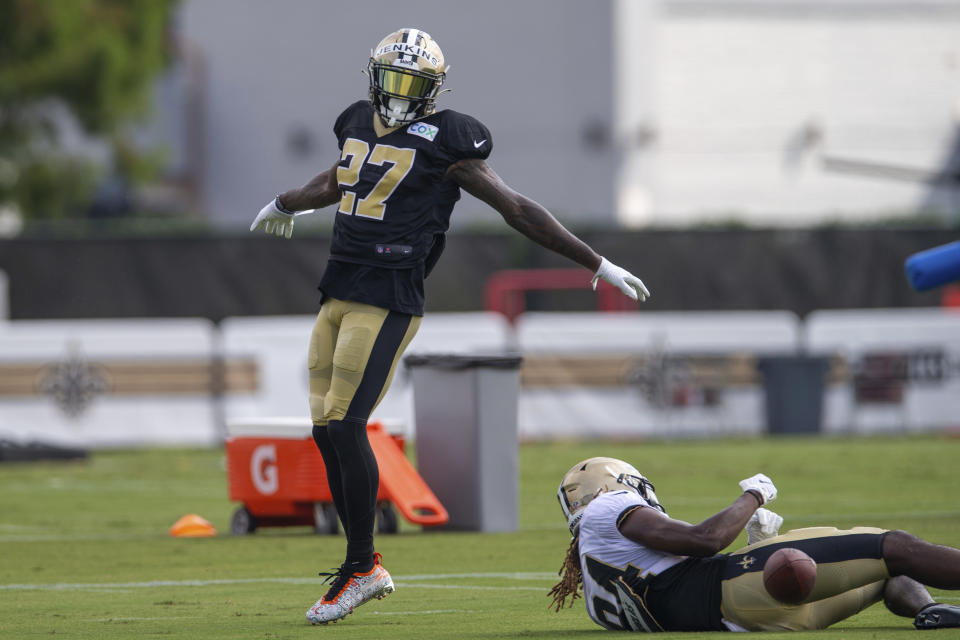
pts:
[73, 383]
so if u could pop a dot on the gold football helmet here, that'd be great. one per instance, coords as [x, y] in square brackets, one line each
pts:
[406, 71]
[589, 478]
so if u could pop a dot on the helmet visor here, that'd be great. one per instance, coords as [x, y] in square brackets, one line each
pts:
[404, 83]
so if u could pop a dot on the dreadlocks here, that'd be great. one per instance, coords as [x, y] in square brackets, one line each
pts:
[570, 577]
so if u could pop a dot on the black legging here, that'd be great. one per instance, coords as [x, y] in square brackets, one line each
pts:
[354, 480]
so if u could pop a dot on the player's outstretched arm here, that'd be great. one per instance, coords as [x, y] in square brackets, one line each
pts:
[656, 531]
[322, 191]
[277, 215]
[532, 220]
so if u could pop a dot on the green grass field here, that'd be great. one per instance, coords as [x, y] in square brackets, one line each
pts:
[85, 551]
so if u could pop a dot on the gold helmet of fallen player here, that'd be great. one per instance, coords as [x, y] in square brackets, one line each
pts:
[406, 71]
[589, 478]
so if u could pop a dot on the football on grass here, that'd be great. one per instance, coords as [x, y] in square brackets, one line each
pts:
[789, 575]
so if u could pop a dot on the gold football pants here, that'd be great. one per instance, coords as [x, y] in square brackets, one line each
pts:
[353, 354]
[850, 577]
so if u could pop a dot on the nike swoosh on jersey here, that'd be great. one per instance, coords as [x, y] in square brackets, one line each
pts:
[477, 145]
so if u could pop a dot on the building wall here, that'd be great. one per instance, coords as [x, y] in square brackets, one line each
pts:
[276, 75]
[786, 113]
[662, 111]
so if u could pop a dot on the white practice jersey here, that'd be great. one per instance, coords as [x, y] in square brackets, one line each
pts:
[605, 554]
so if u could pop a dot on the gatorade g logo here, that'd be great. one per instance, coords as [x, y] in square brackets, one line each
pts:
[263, 469]
[423, 130]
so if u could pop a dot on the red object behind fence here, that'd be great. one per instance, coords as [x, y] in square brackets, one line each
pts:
[505, 291]
[951, 296]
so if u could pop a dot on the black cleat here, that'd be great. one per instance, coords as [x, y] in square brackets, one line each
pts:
[938, 616]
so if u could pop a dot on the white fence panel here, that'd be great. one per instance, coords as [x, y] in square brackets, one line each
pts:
[277, 348]
[901, 373]
[108, 383]
[647, 374]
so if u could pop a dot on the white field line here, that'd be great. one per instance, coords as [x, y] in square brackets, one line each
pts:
[414, 581]
[467, 587]
[538, 575]
[144, 619]
[22, 533]
[25, 533]
[405, 582]
[419, 613]
[144, 534]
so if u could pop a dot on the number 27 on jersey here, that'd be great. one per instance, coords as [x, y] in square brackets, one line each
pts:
[357, 153]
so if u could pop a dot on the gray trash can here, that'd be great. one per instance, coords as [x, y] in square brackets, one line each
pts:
[465, 410]
[793, 387]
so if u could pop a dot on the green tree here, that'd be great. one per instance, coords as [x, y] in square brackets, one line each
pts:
[95, 58]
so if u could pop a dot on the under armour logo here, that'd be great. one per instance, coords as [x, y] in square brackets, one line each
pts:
[747, 562]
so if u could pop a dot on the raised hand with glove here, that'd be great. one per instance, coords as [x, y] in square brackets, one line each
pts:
[622, 279]
[760, 486]
[763, 524]
[276, 219]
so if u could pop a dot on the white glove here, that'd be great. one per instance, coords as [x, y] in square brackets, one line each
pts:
[274, 220]
[763, 524]
[762, 485]
[622, 279]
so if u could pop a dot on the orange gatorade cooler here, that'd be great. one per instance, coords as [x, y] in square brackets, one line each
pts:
[276, 471]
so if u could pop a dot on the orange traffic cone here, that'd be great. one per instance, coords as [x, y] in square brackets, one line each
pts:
[192, 526]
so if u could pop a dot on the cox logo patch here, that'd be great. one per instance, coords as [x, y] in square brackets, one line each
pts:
[423, 130]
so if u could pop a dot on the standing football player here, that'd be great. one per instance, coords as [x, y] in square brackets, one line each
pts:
[401, 167]
[644, 571]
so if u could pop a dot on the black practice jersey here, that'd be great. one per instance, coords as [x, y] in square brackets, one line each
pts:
[396, 204]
